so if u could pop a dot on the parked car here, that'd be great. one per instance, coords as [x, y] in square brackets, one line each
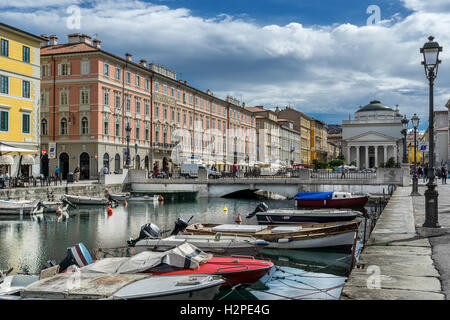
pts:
[190, 170]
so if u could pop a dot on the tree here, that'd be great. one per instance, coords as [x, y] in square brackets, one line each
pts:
[391, 163]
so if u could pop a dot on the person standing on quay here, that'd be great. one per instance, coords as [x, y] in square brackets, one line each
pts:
[234, 170]
[444, 174]
[77, 173]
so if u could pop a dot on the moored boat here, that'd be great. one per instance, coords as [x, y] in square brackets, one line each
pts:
[83, 200]
[292, 216]
[318, 235]
[330, 199]
[88, 286]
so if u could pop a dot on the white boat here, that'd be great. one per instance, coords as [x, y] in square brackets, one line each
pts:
[318, 235]
[82, 200]
[223, 245]
[103, 286]
[154, 198]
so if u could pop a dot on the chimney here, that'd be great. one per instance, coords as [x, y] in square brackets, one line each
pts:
[53, 40]
[45, 41]
[74, 38]
[85, 38]
[96, 43]
[128, 56]
[143, 62]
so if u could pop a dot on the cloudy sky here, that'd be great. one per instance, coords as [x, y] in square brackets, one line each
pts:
[325, 58]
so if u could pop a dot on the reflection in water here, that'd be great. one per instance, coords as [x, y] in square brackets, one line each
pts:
[27, 243]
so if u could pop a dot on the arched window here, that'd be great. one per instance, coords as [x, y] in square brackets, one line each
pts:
[84, 126]
[117, 128]
[44, 127]
[63, 126]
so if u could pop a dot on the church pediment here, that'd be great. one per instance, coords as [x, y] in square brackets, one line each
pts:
[372, 136]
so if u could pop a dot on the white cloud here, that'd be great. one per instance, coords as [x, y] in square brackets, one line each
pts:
[326, 69]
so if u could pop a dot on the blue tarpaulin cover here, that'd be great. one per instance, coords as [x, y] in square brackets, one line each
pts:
[313, 196]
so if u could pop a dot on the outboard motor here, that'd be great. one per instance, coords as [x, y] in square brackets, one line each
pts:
[148, 230]
[180, 225]
[65, 201]
[261, 207]
[77, 255]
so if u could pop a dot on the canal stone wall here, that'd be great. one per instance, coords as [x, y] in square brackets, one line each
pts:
[53, 193]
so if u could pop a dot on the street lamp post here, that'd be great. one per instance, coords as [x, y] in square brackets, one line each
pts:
[128, 130]
[415, 188]
[431, 62]
[404, 132]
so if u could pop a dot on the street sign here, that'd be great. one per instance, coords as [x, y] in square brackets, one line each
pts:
[52, 150]
[44, 152]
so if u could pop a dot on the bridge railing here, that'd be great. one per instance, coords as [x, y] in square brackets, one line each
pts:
[351, 175]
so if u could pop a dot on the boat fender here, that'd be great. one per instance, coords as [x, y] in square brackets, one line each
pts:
[238, 218]
[161, 198]
[109, 210]
[284, 240]
[217, 237]
[125, 203]
[225, 209]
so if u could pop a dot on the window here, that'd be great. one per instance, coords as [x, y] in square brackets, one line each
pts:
[84, 96]
[190, 99]
[156, 86]
[196, 101]
[44, 98]
[63, 129]
[85, 67]
[184, 119]
[178, 94]
[105, 126]
[45, 70]
[178, 116]
[117, 73]
[26, 54]
[84, 126]
[44, 127]
[138, 105]
[165, 90]
[146, 133]
[117, 99]
[147, 84]
[25, 89]
[5, 48]
[157, 134]
[106, 70]
[138, 136]
[117, 128]
[128, 103]
[64, 69]
[106, 96]
[128, 77]
[172, 92]
[165, 113]
[138, 81]
[147, 107]
[4, 120]
[63, 98]
[172, 114]
[157, 110]
[4, 85]
[184, 97]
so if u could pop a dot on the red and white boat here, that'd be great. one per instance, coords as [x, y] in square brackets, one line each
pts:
[330, 199]
[184, 259]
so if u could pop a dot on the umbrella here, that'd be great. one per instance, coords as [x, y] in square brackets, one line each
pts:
[6, 149]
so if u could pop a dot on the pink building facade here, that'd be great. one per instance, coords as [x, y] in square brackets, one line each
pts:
[90, 96]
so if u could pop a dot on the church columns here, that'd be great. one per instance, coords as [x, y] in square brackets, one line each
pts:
[395, 152]
[358, 164]
[348, 154]
[385, 153]
[376, 156]
[367, 157]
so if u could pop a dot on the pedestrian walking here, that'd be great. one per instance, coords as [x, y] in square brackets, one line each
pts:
[444, 174]
[343, 171]
[105, 170]
[234, 170]
[76, 172]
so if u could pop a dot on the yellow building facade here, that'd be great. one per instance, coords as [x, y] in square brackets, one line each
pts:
[19, 99]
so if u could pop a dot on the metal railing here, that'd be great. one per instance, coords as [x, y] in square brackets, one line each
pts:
[350, 175]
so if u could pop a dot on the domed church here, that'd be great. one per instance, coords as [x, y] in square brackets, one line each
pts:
[373, 136]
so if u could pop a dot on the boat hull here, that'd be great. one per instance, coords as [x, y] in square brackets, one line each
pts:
[342, 240]
[235, 271]
[79, 200]
[334, 203]
[267, 218]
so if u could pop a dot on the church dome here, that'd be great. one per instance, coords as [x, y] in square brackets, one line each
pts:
[375, 105]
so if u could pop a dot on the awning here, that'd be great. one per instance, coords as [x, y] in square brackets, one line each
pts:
[6, 160]
[10, 150]
[28, 160]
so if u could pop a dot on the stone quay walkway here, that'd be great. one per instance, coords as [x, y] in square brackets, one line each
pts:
[402, 260]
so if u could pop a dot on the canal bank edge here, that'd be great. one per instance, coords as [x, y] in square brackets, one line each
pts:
[396, 263]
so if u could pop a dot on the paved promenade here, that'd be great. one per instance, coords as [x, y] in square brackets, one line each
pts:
[399, 261]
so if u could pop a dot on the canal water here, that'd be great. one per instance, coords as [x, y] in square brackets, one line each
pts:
[26, 244]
